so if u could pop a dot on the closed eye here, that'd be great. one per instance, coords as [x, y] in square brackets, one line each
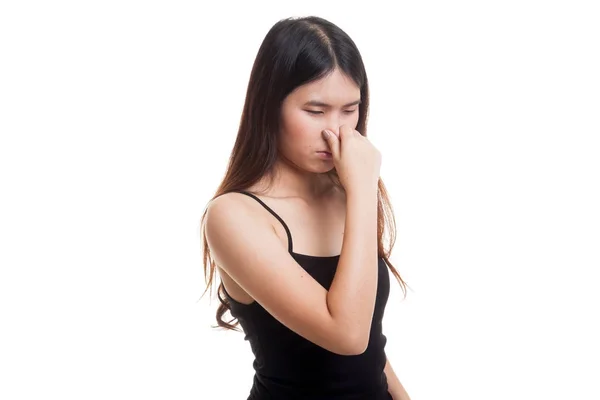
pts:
[321, 112]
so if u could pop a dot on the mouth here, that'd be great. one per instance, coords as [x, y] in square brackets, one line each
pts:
[324, 154]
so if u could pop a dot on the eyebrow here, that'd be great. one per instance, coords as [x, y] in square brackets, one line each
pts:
[316, 103]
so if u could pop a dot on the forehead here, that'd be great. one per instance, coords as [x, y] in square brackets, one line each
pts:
[335, 89]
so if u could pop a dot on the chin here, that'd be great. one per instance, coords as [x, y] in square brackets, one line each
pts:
[324, 169]
[318, 167]
[314, 169]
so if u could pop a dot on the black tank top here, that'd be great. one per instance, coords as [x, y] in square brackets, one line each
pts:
[288, 367]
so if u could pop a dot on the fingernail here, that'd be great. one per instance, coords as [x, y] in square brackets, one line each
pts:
[325, 133]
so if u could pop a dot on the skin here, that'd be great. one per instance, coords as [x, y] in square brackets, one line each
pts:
[394, 386]
[303, 119]
[314, 210]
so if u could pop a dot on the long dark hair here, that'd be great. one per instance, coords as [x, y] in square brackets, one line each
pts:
[294, 52]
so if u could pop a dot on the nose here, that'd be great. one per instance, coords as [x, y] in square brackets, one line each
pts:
[334, 123]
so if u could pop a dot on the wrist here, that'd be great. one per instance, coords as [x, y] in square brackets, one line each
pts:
[364, 192]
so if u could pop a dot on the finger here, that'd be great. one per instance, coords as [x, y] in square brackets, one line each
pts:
[333, 142]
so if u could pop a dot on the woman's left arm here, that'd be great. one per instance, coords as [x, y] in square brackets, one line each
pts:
[394, 386]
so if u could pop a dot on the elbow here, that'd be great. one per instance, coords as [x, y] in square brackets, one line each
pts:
[356, 344]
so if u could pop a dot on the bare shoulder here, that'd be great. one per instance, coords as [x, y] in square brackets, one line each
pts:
[232, 215]
[226, 207]
[228, 202]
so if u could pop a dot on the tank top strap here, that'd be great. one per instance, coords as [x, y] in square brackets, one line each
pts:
[269, 209]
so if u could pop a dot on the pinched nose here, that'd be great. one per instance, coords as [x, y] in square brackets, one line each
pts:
[335, 130]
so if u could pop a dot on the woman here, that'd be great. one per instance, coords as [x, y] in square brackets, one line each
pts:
[295, 229]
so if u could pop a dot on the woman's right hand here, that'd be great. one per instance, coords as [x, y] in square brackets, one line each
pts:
[355, 159]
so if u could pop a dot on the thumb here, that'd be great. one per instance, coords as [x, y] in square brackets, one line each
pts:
[333, 143]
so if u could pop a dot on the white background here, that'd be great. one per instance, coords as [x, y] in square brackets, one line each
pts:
[117, 119]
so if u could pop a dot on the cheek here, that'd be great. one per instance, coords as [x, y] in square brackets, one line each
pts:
[300, 136]
[299, 128]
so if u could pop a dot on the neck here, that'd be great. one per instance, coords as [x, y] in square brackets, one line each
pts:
[289, 181]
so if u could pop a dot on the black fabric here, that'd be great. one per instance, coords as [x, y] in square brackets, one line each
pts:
[289, 367]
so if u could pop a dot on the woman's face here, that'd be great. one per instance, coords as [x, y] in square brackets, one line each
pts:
[324, 104]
